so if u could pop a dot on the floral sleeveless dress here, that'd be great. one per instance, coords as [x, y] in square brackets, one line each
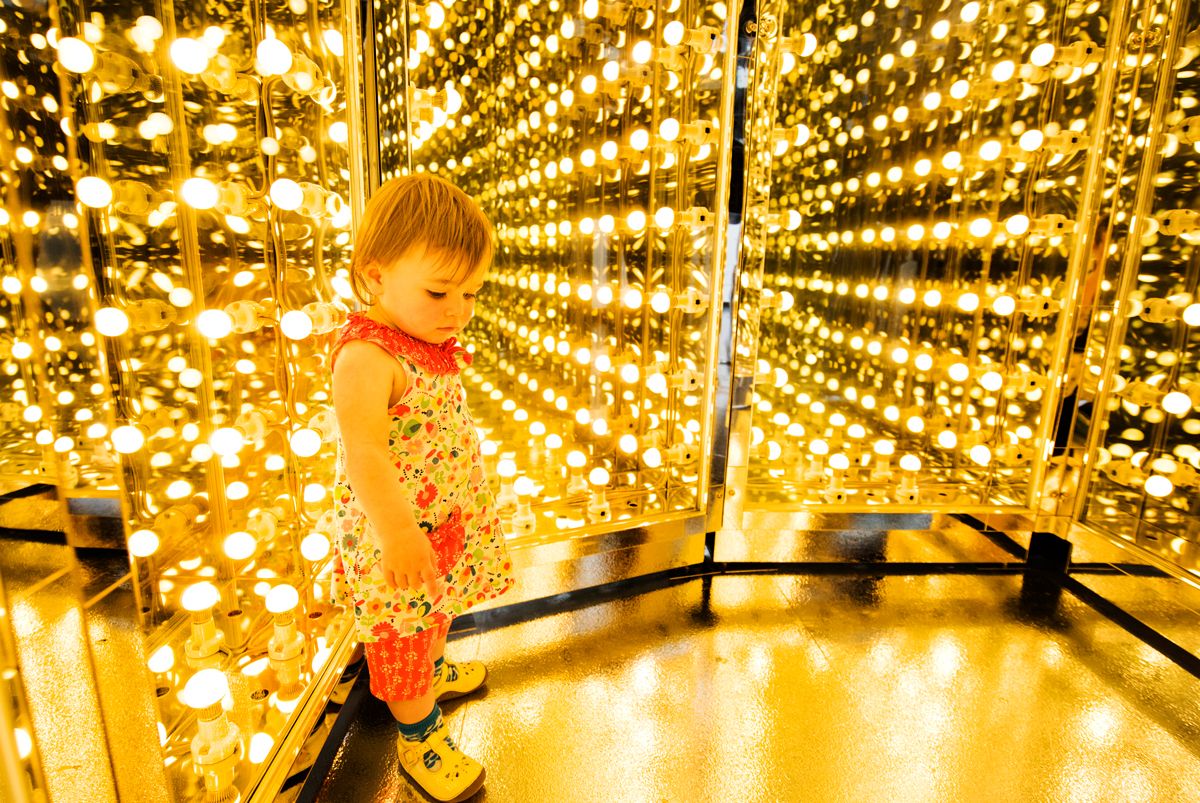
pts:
[435, 449]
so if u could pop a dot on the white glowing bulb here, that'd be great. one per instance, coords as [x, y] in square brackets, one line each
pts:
[839, 462]
[1017, 225]
[664, 218]
[884, 448]
[240, 545]
[273, 57]
[523, 486]
[199, 597]
[980, 227]
[75, 54]
[1191, 315]
[205, 689]
[598, 476]
[1003, 71]
[283, 598]
[1042, 55]
[190, 55]
[642, 52]
[1177, 403]
[636, 221]
[199, 193]
[94, 192]
[1004, 305]
[910, 462]
[214, 323]
[506, 469]
[143, 543]
[991, 381]
[286, 194]
[981, 454]
[668, 129]
[305, 442]
[314, 547]
[127, 439]
[1159, 486]
[673, 33]
[990, 150]
[339, 132]
[162, 660]
[226, 441]
[111, 322]
[576, 459]
[295, 324]
[1031, 140]
[261, 744]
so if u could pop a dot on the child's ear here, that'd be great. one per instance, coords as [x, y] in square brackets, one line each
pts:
[373, 277]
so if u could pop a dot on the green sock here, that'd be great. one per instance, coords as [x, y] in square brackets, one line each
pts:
[439, 664]
[419, 732]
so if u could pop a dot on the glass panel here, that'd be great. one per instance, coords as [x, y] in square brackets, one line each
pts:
[931, 161]
[591, 133]
[178, 262]
[1147, 330]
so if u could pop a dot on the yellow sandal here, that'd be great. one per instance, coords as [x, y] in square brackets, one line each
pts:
[459, 679]
[456, 777]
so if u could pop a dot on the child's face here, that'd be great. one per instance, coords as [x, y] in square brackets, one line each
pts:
[422, 297]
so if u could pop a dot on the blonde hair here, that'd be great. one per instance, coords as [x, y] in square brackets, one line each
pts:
[414, 210]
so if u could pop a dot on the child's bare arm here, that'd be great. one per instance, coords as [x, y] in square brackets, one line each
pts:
[362, 387]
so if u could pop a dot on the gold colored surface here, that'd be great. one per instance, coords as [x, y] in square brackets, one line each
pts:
[904, 300]
[596, 136]
[789, 688]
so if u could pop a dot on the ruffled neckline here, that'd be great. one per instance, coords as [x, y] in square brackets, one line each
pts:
[447, 357]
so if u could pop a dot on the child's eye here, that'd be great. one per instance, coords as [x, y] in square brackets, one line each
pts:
[469, 295]
[435, 294]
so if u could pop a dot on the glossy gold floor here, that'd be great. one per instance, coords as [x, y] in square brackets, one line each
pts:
[931, 688]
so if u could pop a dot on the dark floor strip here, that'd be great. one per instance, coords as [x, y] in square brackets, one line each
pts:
[337, 735]
[1177, 654]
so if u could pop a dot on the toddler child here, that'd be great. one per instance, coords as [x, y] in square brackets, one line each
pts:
[419, 540]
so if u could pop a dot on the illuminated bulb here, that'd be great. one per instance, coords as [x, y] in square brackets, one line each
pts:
[75, 54]
[991, 381]
[273, 57]
[1004, 305]
[673, 33]
[226, 441]
[1017, 225]
[1159, 486]
[295, 324]
[664, 218]
[1177, 403]
[635, 221]
[94, 192]
[314, 547]
[285, 193]
[632, 298]
[240, 545]
[980, 227]
[305, 442]
[1003, 71]
[191, 56]
[1042, 55]
[205, 640]
[127, 439]
[1031, 140]
[668, 129]
[199, 193]
[990, 151]
[214, 323]
[143, 543]
[111, 322]
[981, 454]
[1191, 315]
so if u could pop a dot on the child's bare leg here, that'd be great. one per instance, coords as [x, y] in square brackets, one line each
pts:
[411, 711]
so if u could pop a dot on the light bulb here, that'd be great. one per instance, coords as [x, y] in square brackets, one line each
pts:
[127, 439]
[200, 597]
[214, 323]
[286, 194]
[143, 543]
[576, 459]
[1017, 225]
[910, 462]
[282, 599]
[523, 486]
[273, 57]
[199, 193]
[206, 689]
[305, 442]
[506, 469]
[1177, 403]
[111, 322]
[314, 547]
[981, 454]
[190, 55]
[673, 33]
[598, 476]
[226, 441]
[240, 545]
[296, 325]
[1159, 486]
[75, 54]
[94, 192]
[1042, 55]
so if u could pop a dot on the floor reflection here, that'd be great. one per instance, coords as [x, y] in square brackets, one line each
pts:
[803, 688]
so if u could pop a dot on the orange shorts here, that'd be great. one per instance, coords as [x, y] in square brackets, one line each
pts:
[402, 667]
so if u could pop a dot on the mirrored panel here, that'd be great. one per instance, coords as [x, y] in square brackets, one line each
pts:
[180, 240]
[908, 248]
[1140, 383]
[593, 135]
